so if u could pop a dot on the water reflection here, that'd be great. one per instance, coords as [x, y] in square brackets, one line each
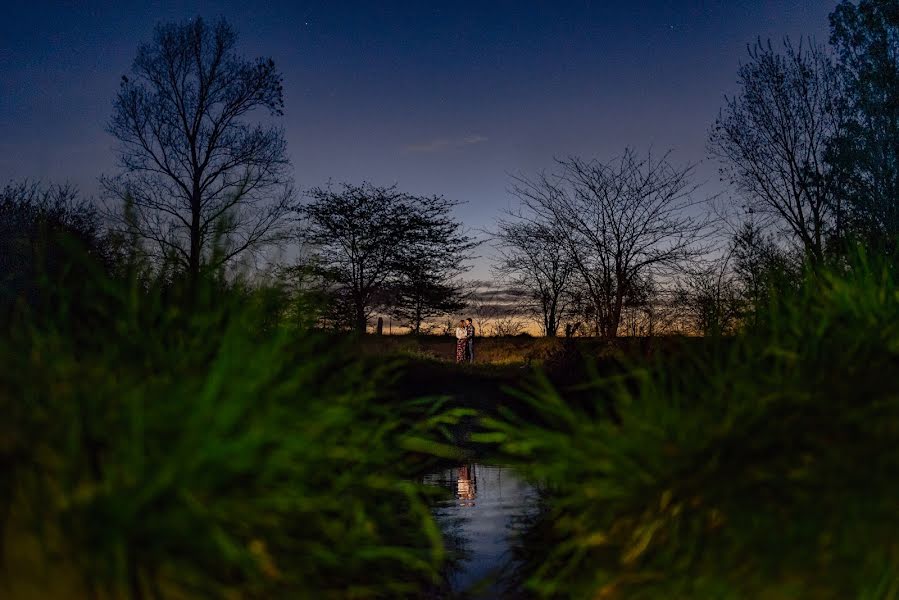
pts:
[466, 485]
[477, 517]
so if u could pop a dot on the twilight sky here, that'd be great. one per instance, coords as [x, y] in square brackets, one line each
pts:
[441, 97]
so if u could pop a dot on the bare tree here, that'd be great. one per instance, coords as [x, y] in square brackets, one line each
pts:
[533, 259]
[773, 137]
[620, 222]
[709, 296]
[205, 185]
[638, 313]
[508, 326]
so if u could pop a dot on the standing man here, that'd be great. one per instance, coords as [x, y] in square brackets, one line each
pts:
[469, 329]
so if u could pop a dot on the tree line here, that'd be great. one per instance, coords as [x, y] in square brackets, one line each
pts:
[626, 245]
[808, 143]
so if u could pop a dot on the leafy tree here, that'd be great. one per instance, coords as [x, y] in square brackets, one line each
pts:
[196, 171]
[419, 296]
[384, 248]
[772, 138]
[866, 155]
[428, 264]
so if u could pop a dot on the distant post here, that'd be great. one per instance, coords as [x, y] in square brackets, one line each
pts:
[380, 329]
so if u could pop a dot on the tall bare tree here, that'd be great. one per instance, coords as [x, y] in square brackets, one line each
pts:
[773, 136]
[623, 221]
[205, 185]
[533, 259]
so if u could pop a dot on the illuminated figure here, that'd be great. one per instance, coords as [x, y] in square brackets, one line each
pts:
[466, 485]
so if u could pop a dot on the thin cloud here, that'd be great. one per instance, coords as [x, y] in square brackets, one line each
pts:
[440, 144]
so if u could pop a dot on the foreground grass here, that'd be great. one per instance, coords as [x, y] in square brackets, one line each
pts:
[152, 452]
[764, 468]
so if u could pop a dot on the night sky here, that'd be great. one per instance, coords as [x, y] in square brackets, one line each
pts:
[440, 97]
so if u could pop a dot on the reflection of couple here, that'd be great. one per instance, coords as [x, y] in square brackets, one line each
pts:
[466, 485]
[465, 341]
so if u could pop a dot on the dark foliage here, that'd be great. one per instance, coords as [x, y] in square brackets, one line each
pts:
[866, 155]
[760, 467]
[43, 229]
[382, 248]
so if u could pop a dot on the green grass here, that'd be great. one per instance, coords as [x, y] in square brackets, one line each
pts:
[759, 468]
[152, 452]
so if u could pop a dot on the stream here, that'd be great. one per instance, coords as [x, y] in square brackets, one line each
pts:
[477, 519]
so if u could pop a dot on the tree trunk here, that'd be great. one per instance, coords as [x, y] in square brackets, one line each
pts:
[613, 319]
[418, 318]
[361, 321]
[194, 258]
[551, 325]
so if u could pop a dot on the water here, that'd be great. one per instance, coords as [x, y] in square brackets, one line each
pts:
[477, 518]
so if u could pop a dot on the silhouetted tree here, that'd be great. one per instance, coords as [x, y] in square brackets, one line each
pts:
[638, 313]
[384, 248]
[49, 239]
[709, 297]
[866, 154]
[418, 297]
[428, 265]
[761, 267]
[196, 172]
[533, 259]
[620, 222]
[772, 138]
[507, 326]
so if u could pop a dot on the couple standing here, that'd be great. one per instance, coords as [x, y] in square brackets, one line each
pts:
[465, 341]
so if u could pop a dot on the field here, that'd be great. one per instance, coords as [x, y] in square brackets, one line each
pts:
[515, 350]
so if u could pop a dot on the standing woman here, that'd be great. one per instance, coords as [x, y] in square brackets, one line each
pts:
[461, 341]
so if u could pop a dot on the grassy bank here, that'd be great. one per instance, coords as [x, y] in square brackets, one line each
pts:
[150, 451]
[760, 468]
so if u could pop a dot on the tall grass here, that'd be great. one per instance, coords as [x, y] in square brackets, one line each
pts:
[762, 467]
[153, 451]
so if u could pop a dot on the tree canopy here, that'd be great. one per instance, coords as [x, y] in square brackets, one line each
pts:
[383, 248]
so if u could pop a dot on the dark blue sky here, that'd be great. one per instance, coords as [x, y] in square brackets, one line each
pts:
[441, 97]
